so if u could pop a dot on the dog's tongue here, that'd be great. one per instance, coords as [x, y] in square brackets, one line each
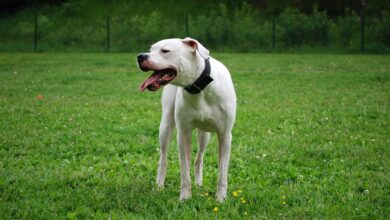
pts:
[155, 76]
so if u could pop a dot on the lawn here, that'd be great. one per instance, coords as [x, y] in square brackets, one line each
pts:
[78, 140]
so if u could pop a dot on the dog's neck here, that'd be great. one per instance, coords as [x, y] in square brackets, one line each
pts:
[203, 80]
[187, 76]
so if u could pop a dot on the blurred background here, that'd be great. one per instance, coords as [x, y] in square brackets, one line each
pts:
[346, 26]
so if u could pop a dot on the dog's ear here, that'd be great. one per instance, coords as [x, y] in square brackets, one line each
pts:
[196, 46]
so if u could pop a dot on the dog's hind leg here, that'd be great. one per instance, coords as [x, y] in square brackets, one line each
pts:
[166, 128]
[203, 139]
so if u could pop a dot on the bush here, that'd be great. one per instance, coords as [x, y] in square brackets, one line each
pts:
[320, 28]
[247, 32]
[153, 27]
[241, 32]
[294, 27]
[347, 28]
[73, 34]
[380, 28]
[213, 30]
[298, 29]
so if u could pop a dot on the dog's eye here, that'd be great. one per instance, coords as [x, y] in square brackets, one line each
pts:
[164, 51]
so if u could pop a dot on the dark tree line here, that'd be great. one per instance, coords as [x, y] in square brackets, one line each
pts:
[180, 7]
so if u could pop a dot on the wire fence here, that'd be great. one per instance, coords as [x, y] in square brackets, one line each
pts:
[119, 34]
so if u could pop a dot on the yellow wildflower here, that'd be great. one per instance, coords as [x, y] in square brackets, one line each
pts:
[235, 193]
[243, 201]
[215, 209]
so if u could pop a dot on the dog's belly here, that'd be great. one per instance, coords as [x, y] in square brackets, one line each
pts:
[210, 119]
[206, 124]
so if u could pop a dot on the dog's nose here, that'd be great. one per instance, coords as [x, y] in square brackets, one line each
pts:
[141, 57]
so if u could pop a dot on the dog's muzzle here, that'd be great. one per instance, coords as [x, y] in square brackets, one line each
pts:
[160, 77]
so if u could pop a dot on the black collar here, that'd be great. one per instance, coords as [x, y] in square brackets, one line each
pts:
[203, 80]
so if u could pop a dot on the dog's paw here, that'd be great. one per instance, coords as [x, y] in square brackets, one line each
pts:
[198, 182]
[220, 198]
[160, 183]
[221, 195]
[185, 194]
[198, 174]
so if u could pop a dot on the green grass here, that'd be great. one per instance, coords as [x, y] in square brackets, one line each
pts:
[311, 140]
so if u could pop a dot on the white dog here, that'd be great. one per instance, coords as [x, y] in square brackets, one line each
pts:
[200, 94]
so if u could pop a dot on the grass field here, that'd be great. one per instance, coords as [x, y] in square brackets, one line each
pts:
[311, 140]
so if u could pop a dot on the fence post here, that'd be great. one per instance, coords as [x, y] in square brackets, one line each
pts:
[187, 26]
[273, 33]
[36, 32]
[362, 23]
[362, 26]
[108, 34]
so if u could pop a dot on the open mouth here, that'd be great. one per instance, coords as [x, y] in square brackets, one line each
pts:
[157, 79]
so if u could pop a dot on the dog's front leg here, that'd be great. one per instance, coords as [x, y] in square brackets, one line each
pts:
[224, 155]
[166, 128]
[184, 145]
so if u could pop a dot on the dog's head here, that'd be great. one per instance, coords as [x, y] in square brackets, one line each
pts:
[170, 60]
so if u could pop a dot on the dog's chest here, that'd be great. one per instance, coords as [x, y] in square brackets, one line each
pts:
[206, 117]
[205, 122]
